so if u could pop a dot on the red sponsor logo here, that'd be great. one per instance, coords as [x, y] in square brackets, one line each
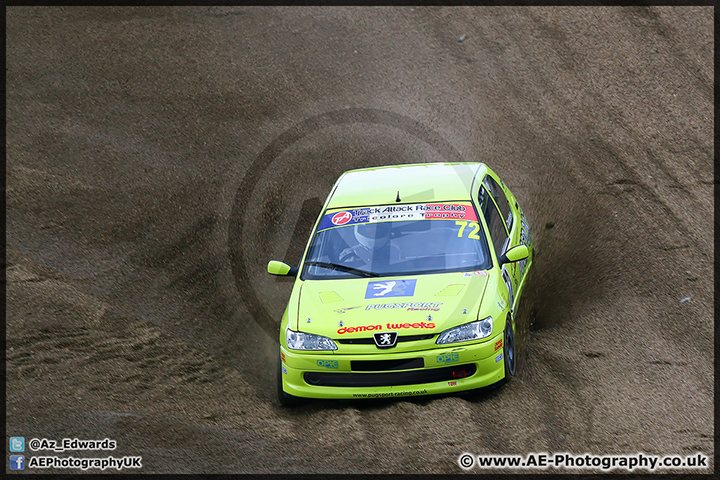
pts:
[449, 211]
[395, 326]
[390, 326]
[498, 344]
[282, 356]
[452, 384]
[341, 218]
[363, 328]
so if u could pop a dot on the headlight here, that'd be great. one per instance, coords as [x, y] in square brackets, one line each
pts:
[469, 331]
[308, 341]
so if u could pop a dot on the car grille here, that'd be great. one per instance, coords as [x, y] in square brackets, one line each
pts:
[381, 365]
[387, 379]
[370, 341]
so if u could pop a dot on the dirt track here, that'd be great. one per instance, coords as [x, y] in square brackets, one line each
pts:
[157, 158]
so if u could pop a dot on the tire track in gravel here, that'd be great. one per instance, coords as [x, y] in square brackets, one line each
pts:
[586, 160]
[613, 160]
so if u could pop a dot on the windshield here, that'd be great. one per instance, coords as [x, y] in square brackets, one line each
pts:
[397, 240]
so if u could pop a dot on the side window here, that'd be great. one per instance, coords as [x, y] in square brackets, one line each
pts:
[499, 196]
[494, 220]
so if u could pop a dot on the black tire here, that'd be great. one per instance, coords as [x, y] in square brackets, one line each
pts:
[285, 399]
[509, 351]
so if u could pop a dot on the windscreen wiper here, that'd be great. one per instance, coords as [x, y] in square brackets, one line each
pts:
[343, 268]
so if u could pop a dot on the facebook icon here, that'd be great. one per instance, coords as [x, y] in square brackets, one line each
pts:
[17, 462]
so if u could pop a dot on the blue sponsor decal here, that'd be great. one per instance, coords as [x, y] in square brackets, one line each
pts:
[448, 358]
[498, 358]
[284, 370]
[327, 363]
[386, 213]
[391, 288]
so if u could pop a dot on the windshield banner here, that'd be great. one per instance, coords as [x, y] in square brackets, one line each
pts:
[388, 213]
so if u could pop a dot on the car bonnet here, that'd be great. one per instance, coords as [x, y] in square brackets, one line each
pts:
[423, 304]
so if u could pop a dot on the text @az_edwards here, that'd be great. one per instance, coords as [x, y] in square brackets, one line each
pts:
[67, 444]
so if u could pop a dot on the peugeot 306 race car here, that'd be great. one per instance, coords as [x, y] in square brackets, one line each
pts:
[407, 286]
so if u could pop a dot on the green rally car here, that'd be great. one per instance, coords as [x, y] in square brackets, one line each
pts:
[407, 286]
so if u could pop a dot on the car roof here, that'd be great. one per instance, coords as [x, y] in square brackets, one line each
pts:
[416, 183]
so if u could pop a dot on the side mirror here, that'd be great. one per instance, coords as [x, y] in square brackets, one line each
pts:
[515, 254]
[280, 268]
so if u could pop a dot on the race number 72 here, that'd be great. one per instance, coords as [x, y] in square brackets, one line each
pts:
[474, 229]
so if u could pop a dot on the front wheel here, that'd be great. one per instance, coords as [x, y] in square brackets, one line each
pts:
[509, 352]
[285, 399]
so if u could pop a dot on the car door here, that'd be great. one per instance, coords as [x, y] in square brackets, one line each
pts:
[504, 229]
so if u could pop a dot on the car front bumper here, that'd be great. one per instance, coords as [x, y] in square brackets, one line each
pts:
[382, 375]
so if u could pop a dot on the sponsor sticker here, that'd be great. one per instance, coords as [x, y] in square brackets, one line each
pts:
[361, 328]
[410, 306]
[450, 211]
[282, 356]
[284, 370]
[526, 240]
[452, 384]
[498, 358]
[341, 218]
[498, 344]
[410, 325]
[327, 363]
[389, 213]
[391, 288]
[508, 284]
[434, 309]
[388, 326]
[476, 273]
[447, 358]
